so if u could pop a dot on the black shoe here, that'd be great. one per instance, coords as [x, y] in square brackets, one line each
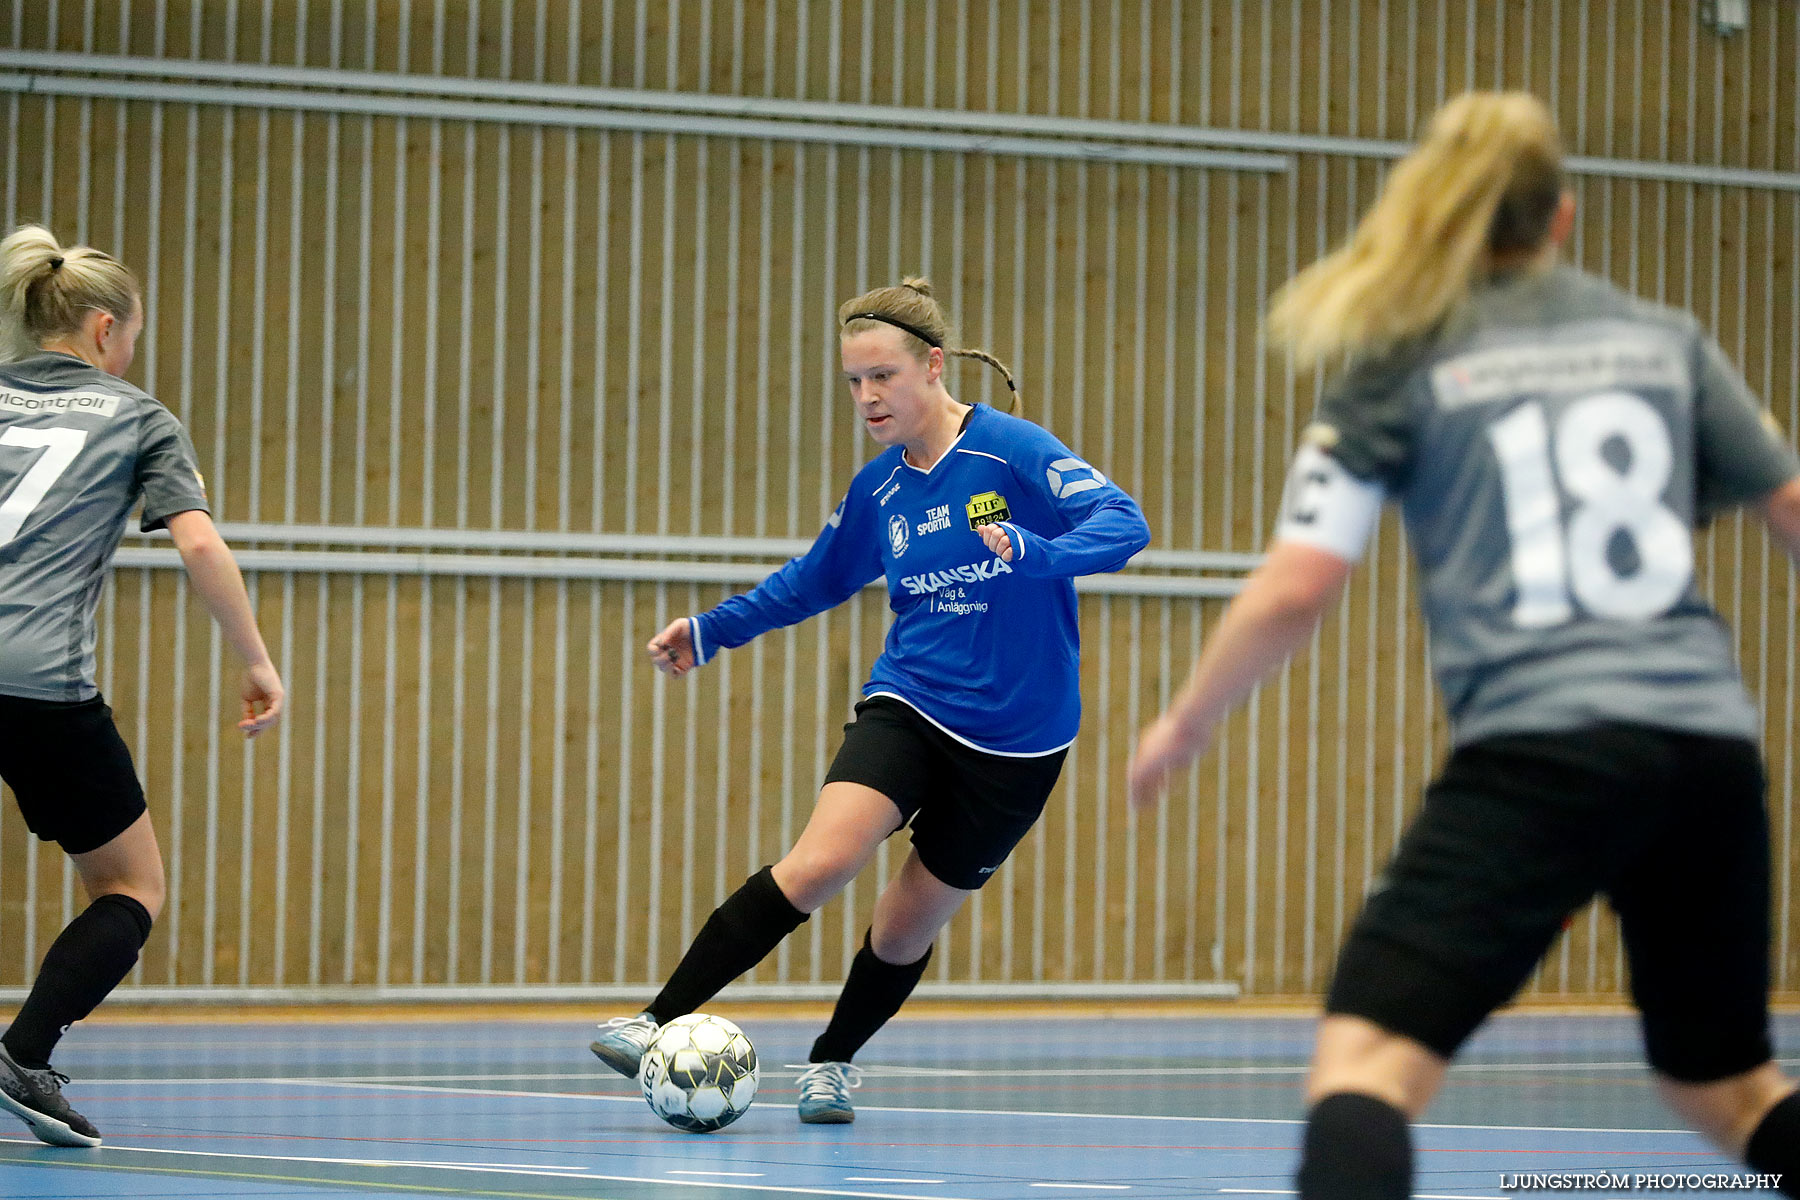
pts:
[36, 1098]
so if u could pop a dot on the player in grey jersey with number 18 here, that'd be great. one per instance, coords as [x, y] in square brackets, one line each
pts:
[78, 448]
[1552, 443]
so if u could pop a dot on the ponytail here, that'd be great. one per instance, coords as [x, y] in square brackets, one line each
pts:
[1486, 179]
[46, 289]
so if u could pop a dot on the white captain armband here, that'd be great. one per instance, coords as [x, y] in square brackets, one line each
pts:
[1328, 507]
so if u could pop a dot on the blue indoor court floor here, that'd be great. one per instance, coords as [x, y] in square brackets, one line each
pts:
[1024, 1108]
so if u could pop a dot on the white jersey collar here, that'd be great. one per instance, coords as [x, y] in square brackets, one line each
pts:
[962, 433]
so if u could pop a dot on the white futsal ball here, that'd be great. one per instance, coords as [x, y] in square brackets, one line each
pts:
[700, 1073]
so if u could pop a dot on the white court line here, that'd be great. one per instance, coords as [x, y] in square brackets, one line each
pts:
[488, 1168]
[953, 1112]
[732, 1174]
[1088, 1187]
[557, 1174]
[403, 1082]
[885, 1179]
[540, 1075]
[452, 1091]
[1636, 1064]
[1072, 1072]
[1089, 1116]
[941, 1072]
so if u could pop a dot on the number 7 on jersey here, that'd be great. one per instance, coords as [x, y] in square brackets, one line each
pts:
[60, 447]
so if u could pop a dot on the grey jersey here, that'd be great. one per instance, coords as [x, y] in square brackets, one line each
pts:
[1553, 448]
[78, 447]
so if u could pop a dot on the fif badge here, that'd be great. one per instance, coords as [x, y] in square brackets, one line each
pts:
[989, 508]
[897, 534]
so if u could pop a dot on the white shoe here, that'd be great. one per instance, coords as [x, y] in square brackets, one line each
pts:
[825, 1093]
[622, 1042]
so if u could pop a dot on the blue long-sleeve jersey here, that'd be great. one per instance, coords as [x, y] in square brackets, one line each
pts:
[986, 650]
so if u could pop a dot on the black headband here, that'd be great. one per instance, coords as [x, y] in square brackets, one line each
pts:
[912, 329]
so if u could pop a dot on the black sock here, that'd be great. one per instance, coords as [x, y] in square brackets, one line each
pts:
[873, 993]
[1774, 1149]
[87, 960]
[1356, 1148]
[738, 935]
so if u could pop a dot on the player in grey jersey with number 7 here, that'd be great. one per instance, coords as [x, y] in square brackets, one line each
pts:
[79, 447]
[1552, 443]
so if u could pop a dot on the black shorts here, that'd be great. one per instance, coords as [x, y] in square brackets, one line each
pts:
[69, 770]
[1519, 832]
[967, 808]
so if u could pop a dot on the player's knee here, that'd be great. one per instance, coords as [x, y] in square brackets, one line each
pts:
[1726, 1110]
[146, 886]
[809, 879]
[900, 946]
[1355, 1055]
[148, 894]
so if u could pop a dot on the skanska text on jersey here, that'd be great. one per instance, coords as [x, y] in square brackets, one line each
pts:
[975, 572]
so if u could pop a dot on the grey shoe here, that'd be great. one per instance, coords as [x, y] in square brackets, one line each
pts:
[36, 1098]
[622, 1042]
[825, 1093]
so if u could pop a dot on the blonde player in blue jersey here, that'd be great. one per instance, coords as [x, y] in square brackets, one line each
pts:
[1552, 443]
[79, 447]
[980, 522]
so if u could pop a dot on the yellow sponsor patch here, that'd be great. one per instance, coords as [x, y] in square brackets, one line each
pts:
[988, 508]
